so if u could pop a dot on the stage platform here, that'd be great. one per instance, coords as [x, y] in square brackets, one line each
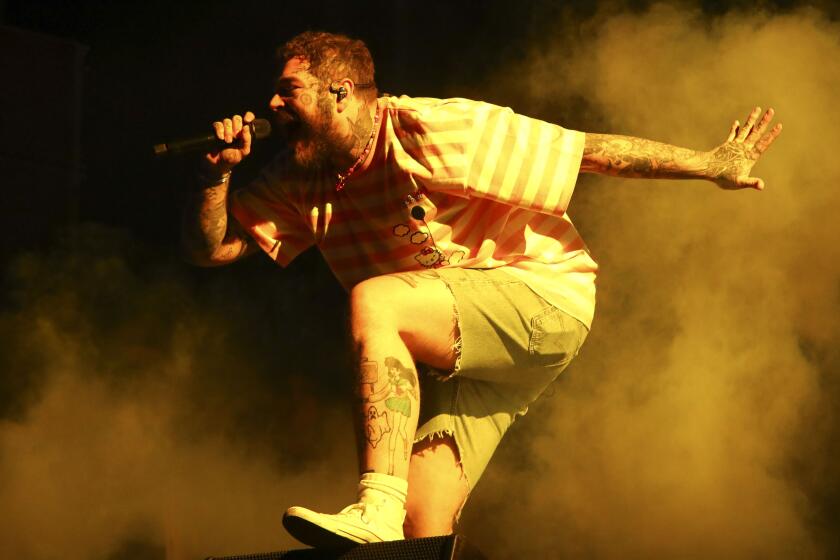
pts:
[451, 547]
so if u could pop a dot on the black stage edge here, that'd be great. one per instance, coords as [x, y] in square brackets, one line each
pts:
[450, 547]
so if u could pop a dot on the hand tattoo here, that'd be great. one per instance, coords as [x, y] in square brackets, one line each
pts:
[730, 161]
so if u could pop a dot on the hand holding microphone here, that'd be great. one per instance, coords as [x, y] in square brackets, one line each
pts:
[228, 136]
[230, 130]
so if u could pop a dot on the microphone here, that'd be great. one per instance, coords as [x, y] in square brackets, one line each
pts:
[418, 214]
[260, 128]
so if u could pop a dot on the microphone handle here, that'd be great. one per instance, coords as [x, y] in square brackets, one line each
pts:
[208, 143]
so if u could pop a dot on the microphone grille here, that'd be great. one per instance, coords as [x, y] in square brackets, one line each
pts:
[261, 128]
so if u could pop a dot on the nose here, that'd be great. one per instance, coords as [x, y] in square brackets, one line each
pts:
[275, 102]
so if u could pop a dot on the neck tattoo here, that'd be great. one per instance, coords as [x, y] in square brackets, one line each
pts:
[342, 177]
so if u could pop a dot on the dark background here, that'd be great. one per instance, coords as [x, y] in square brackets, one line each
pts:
[106, 80]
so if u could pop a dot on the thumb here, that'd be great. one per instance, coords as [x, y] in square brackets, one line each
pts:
[752, 183]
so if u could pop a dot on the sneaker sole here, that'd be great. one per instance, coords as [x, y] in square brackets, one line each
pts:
[314, 535]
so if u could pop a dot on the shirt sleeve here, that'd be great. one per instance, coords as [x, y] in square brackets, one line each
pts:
[487, 151]
[267, 214]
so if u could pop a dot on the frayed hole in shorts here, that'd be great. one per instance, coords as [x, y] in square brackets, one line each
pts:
[459, 463]
[457, 346]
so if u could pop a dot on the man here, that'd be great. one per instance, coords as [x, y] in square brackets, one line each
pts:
[446, 220]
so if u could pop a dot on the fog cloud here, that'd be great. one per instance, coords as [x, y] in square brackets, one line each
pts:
[699, 419]
[151, 413]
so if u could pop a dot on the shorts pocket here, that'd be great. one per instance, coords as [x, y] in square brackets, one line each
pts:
[555, 337]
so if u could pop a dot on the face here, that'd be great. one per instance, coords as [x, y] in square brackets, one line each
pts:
[304, 113]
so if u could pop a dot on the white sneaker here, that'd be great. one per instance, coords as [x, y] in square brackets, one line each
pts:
[362, 522]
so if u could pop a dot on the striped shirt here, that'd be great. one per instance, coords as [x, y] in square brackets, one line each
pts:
[448, 183]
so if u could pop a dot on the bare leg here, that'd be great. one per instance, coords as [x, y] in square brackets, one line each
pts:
[437, 488]
[396, 320]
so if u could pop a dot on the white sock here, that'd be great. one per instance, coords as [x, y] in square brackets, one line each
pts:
[378, 487]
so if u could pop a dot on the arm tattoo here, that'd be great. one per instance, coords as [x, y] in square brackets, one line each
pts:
[207, 234]
[213, 219]
[232, 250]
[626, 156]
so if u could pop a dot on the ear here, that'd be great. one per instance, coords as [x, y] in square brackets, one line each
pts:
[343, 90]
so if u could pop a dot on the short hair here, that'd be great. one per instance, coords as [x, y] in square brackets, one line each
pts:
[333, 57]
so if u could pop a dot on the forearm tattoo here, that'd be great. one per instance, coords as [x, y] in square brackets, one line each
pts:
[213, 216]
[627, 156]
[205, 227]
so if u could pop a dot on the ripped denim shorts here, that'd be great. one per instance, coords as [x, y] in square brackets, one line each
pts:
[512, 345]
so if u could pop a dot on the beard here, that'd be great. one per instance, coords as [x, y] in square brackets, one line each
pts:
[314, 143]
[315, 150]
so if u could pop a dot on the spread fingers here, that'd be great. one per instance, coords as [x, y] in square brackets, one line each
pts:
[768, 139]
[732, 132]
[747, 128]
[759, 129]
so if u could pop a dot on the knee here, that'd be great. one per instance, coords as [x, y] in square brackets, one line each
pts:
[371, 303]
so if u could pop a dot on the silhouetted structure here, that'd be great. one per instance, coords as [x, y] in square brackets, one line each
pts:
[40, 136]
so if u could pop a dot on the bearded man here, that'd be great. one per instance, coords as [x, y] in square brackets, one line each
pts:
[446, 221]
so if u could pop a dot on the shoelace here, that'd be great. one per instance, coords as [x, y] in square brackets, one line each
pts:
[361, 507]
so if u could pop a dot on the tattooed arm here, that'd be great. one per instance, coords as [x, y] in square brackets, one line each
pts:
[208, 237]
[727, 165]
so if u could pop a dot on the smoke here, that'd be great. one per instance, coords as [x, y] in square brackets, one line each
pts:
[150, 414]
[149, 411]
[699, 420]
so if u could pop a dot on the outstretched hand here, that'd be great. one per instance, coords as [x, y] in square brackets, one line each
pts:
[730, 163]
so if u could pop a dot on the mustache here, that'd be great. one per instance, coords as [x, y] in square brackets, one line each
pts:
[289, 126]
[285, 118]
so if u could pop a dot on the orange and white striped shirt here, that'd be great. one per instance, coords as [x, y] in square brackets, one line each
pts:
[448, 183]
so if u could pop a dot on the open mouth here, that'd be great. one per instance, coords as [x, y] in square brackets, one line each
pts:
[285, 118]
[289, 125]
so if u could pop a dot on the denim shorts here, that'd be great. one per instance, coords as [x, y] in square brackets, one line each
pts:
[512, 345]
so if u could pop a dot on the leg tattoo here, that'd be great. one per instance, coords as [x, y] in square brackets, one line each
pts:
[397, 391]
